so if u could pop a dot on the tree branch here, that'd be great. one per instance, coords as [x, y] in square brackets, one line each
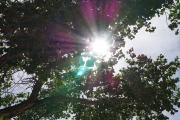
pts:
[60, 98]
[23, 106]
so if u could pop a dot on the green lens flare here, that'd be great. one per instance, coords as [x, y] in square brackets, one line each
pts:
[81, 71]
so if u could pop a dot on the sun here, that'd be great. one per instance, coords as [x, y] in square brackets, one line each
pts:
[100, 46]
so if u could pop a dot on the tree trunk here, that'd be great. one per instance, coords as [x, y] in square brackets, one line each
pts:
[23, 106]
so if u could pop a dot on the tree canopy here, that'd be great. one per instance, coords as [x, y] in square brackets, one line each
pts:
[48, 42]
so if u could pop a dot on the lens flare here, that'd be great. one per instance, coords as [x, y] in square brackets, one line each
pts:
[100, 46]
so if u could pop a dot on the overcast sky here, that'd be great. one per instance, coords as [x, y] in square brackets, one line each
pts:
[163, 40]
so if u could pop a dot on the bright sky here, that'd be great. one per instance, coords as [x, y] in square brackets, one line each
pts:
[163, 40]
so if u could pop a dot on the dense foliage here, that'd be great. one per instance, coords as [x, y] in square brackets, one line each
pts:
[45, 40]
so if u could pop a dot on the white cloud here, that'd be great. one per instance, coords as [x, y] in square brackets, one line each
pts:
[163, 40]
